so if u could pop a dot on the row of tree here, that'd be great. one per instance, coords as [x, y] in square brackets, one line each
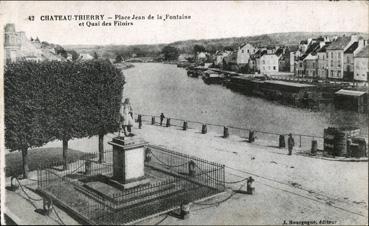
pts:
[60, 100]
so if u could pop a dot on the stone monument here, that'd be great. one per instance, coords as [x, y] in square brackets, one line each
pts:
[128, 161]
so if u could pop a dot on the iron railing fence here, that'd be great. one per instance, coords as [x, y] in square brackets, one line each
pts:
[272, 138]
[180, 178]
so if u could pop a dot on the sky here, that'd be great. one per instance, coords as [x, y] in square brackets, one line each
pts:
[208, 20]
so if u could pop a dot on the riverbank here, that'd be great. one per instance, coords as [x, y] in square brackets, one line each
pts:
[287, 187]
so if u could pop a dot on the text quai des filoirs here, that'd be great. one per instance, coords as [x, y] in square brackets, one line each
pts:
[114, 20]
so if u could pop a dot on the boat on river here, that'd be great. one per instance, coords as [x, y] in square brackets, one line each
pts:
[211, 77]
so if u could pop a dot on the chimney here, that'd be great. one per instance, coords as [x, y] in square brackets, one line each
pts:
[354, 38]
[321, 44]
[362, 43]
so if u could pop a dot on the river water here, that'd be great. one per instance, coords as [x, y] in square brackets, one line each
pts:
[155, 88]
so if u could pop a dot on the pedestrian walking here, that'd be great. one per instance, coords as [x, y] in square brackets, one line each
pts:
[161, 118]
[126, 112]
[291, 144]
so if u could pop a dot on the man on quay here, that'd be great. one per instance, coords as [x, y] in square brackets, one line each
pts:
[291, 143]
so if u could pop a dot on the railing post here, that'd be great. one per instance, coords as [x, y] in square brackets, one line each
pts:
[204, 129]
[168, 122]
[282, 143]
[225, 132]
[300, 141]
[139, 119]
[153, 120]
[185, 125]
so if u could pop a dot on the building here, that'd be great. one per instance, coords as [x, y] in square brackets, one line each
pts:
[244, 52]
[348, 64]
[335, 53]
[85, 56]
[322, 62]
[219, 56]
[269, 63]
[361, 65]
[351, 100]
[311, 65]
[294, 61]
[18, 47]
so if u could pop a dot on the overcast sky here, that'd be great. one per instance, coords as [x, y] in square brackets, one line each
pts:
[208, 20]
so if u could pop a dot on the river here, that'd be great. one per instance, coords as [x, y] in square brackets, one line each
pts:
[154, 88]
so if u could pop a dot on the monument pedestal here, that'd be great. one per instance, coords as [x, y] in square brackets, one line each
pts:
[128, 161]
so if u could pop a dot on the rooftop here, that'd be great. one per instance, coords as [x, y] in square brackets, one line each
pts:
[352, 47]
[293, 84]
[364, 53]
[339, 43]
[350, 92]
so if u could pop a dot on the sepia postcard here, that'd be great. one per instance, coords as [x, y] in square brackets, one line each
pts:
[184, 112]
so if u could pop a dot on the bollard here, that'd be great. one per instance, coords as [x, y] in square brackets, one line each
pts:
[251, 136]
[185, 210]
[147, 155]
[282, 143]
[349, 152]
[13, 187]
[314, 147]
[153, 120]
[225, 132]
[87, 167]
[168, 122]
[184, 125]
[47, 206]
[139, 121]
[204, 129]
[250, 189]
[191, 168]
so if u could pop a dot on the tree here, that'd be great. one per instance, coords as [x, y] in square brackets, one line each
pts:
[170, 53]
[105, 91]
[228, 48]
[75, 55]
[96, 56]
[24, 115]
[60, 100]
[118, 59]
[198, 49]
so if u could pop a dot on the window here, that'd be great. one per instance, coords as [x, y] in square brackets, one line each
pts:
[263, 61]
[241, 51]
[247, 51]
[339, 55]
[331, 54]
[274, 68]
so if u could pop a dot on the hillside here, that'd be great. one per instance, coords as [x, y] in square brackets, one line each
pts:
[289, 38]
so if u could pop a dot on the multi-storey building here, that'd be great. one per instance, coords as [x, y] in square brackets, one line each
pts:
[348, 62]
[311, 65]
[322, 62]
[244, 52]
[335, 54]
[361, 65]
[269, 63]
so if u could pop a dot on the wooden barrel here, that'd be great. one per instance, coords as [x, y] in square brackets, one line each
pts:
[362, 145]
[340, 143]
[329, 135]
[355, 151]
